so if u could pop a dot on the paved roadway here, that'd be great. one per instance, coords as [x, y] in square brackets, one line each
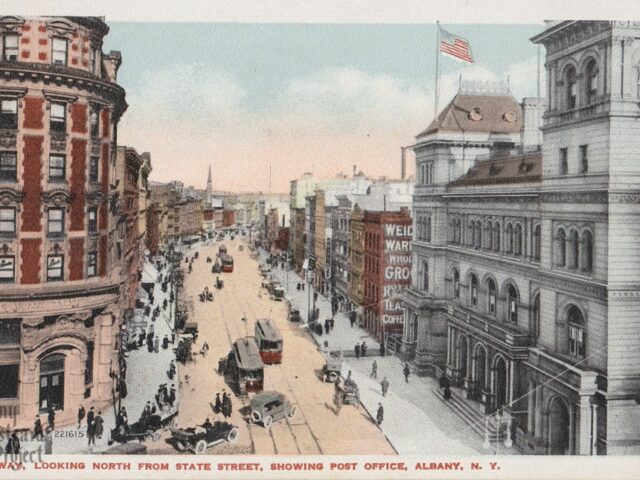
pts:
[315, 429]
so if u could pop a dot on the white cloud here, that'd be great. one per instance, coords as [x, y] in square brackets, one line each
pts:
[191, 115]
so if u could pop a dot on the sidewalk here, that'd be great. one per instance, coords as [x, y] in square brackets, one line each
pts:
[145, 372]
[416, 421]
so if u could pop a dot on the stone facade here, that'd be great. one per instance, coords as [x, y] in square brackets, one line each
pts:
[525, 277]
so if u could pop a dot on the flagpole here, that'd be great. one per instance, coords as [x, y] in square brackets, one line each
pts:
[437, 70]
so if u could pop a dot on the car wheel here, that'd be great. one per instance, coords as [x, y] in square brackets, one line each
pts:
[201, 447]
[155, 437]
[267, 421]
[180, 446]
[255, 416]
[232, 436]
[333, 377]
[292, 411]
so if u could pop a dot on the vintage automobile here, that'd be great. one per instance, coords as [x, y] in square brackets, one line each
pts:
[278, 294]
[269, 341]
[144, 429]
[191, 328]
[269, 407]
[332, 367]
[243, 367]
[197, 439]
[294, 315]
[349, 390]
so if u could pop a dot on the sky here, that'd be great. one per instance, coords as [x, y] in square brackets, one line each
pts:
[295, 98]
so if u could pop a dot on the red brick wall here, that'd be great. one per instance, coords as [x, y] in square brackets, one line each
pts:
[77, 182]
[33, 113]
[30, 260]
[105, 185]
[102, 256]
[106, 131]
[76, 258]
[79, 118]
[228, 218]
[32, 186]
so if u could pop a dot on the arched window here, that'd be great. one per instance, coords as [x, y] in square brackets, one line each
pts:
[535, 318]
[587, 251]
[473, 292]
[575, 319]
[591, 81]
[489, 235]
[517, 240]
[512, 304]
[491, 296]
[571, 88]
[496, 237]
[509, 238]
[477, 234]
[425, 276]
[456, 283]
[573, 249]
[561, 245]
[470, 233]
[536, 242]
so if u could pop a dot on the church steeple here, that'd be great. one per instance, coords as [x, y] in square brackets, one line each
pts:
[209, 183]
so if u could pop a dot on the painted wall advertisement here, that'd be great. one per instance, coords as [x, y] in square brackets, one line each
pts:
[397, 273]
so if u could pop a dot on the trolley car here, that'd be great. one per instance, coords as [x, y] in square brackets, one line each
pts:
[243, 366]
[227, 263]
[269, 341]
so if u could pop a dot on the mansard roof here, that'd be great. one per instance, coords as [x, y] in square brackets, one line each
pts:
[519, 168]
[478, 113]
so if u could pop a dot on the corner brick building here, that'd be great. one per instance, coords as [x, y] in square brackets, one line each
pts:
[60, 310]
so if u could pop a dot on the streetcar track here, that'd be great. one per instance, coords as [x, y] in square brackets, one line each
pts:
[290, 389]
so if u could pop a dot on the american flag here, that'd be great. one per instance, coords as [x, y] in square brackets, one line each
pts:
[454, 46]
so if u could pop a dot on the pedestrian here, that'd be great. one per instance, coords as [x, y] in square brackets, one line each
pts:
[99, 425]
[91, 432]
[374, 369]
[141, 338]
[326, 326]
[156, 344]
[226, 407]
[382, 348]
[37, 429]
[51, 417]
[81, 413]
[217, 405]
[91, 415]
[224, 398]
[352, 318]
[380, 414]
[13, 444]
[303, 286]
[337, 399]
[406, 372]
[447, 392]
[357, 350]
[443, 381]
[385, 386]
[172, 395]
[332, 323]
[363, 348]
[165, 342]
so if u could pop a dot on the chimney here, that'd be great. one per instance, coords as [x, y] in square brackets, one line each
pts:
[403, 164]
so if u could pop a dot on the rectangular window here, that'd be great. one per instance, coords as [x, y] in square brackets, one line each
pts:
[576, 340]
[8, 166]
[56, 221]
[59, 51]
[9, 375]
[584, 160]
[9, 114]
[7, 220]
[56, 168]
[92, 220]
[429, 173]
[564, 161]
[7, 269]
[94, 60]
[10, 53]
[55, 267]
[10, 331]
[95, 123]
[58, 117]
[92, 264]
[94, 169]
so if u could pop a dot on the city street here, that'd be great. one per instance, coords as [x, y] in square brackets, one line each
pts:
[315, 428]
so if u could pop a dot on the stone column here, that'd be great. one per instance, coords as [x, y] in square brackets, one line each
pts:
[74, 380]
[538, 416]
[585, 442]
[29, 388]
[104, 342]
